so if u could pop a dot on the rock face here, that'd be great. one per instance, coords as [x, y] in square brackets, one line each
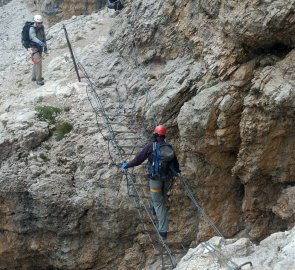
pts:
[218, 74]
[275, 252]
[4, 2]
[234, 117]
[56, 10]
[270, 165]
[61, 202]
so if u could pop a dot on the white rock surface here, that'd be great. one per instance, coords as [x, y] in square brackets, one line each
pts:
[66, 199]
[273, 253]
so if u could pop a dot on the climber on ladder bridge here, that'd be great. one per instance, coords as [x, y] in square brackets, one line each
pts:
[163, 166]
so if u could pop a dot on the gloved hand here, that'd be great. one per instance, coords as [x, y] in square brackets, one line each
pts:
[41, 43]
[124, 164]
[45, 50]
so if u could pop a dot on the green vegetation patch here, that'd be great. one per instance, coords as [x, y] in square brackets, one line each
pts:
[19, 83]
[62, 128]
[63, 46]
[4, 123]
[79, 38]
[48, 113]
[212, 81]
[44, 157]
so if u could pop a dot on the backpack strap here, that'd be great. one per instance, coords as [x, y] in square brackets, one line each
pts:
[165, 143]
[157, 158]
[34, 30]
[154, 158]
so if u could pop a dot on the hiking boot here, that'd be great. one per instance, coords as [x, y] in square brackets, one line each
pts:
[40, 82]
[163, 235]
[34, 79]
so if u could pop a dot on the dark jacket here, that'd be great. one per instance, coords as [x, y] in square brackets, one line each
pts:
[146, 153]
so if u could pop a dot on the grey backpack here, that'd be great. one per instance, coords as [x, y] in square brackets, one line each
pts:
[162, 167]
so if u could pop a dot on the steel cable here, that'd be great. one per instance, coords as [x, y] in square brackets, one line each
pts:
[164, 244]
[210, 247]
[113, 141]
[198, 206]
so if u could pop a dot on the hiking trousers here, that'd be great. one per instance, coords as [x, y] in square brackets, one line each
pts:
[37, 64]
[158, 193]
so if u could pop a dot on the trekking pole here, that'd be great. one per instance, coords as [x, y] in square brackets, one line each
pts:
[71, 51]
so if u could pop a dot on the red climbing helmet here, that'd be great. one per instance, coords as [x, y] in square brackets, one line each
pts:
[161, 130]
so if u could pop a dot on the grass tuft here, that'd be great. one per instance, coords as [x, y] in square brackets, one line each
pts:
[48, 113]
[62, 128]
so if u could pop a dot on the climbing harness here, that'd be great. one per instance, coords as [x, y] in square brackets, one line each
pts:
[36, 58]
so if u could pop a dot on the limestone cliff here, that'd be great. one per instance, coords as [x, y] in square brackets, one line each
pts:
[4, 2]
[218, 73]
[56, 10]
[229, 98]
[274, 252]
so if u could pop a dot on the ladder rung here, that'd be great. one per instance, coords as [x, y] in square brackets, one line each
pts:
[152, 231]
[141, 174]
[138, 185]
[131, 146]
[180, 252]
[116, 123]
[167, 265]
[137, 196]
[166, 254]
[174, 244]
[133, 195]
[123, 139]
[146, 222]
[125, 114]
[120, 123]
[122, 132]
[162, 254]
[143, 197]
[172, 232]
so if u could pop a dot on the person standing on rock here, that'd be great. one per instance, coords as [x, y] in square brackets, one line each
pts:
[115, 4]
[163, 166]
[38, 44]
